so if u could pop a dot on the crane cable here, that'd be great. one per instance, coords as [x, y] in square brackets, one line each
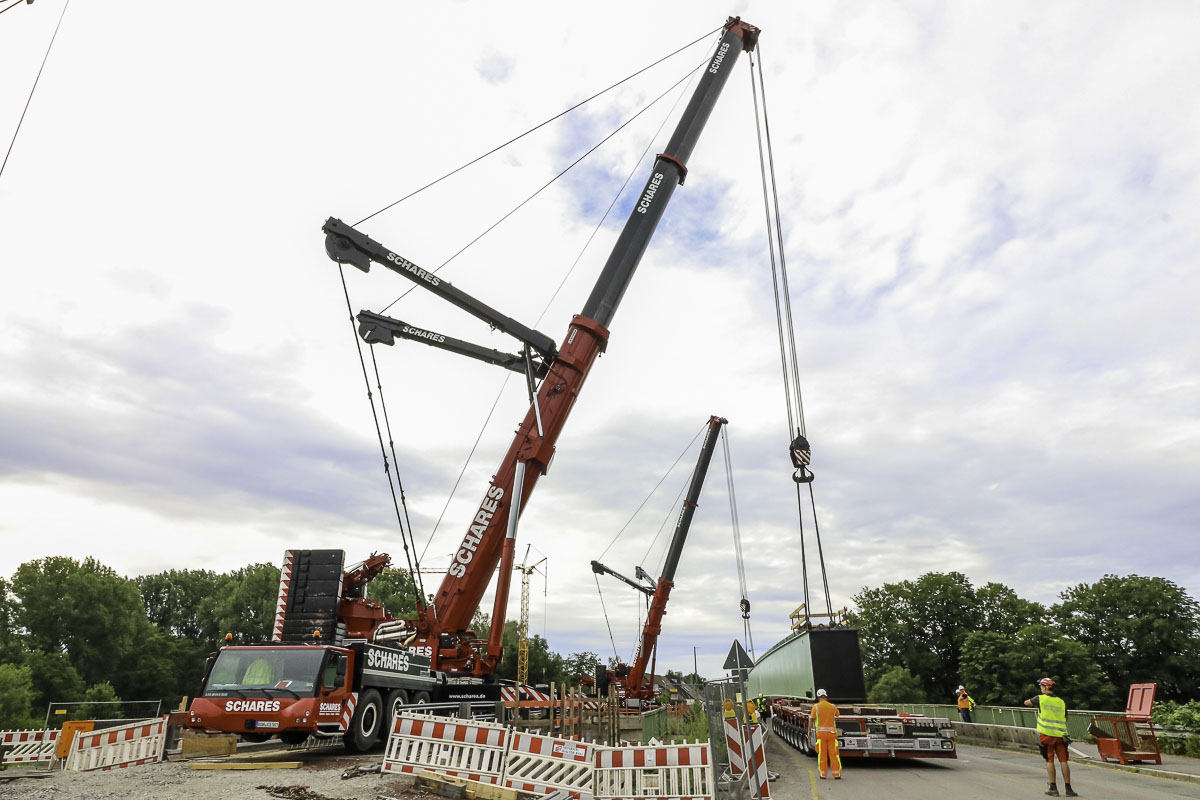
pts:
[574, 264]
[397, 502]
[35, 82]
[783, 317]
[744, 604]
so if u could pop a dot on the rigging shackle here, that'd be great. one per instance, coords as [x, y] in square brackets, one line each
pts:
[801, 453]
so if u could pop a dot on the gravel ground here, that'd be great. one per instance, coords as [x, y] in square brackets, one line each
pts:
[317, 779]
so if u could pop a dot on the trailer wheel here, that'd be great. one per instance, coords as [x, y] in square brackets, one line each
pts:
[395, 699]
[366, 722]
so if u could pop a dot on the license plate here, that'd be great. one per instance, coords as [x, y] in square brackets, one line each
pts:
[271, 724]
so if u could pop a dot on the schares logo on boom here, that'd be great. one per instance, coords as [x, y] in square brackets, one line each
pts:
[482, 517]
[252, 705]
[648, 195]
[716, 64]
[408, 266]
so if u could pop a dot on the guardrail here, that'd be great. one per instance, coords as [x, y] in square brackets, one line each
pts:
[1012, 716]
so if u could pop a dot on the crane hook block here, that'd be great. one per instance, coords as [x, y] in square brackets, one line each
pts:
[801, 453]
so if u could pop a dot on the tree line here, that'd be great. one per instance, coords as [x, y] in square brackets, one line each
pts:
[922, 638]
[77, 631]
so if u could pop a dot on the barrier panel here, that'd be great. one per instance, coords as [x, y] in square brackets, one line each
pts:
[756, 760]
[24, 747]
[460, 748]
[544, 764]
[125, 746]
[674, 771]
[734, 745]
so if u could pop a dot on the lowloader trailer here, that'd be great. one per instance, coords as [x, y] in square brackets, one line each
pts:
[785, 681]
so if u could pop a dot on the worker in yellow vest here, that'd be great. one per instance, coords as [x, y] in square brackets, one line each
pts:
[965, 704]
[1052, 734]
[824, 719]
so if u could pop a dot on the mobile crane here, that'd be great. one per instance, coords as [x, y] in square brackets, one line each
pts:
[639, 688]
[356, 661]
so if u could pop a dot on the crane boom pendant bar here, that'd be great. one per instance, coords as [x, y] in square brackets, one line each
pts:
[378, 329]
[345, 245]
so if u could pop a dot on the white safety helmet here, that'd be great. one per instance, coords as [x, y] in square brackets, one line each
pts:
[961, 689]
[822, 693]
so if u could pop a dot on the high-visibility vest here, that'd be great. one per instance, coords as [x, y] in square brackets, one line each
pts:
[1052, 715]
[825, 715]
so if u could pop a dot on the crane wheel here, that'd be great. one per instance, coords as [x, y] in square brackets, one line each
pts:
[367, 722]
[420, 698]
[395, 700]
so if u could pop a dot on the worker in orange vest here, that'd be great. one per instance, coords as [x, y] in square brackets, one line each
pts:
[824, 719]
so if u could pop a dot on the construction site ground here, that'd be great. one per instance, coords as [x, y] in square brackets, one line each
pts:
[978, 774]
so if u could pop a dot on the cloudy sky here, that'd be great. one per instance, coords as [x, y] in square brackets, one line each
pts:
[990, 219]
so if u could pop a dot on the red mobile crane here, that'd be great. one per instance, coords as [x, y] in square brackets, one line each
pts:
[637, 687]
[339, 674]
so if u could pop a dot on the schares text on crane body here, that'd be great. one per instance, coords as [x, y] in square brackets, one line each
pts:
[482, 518]
[648, 195]
[408, 266]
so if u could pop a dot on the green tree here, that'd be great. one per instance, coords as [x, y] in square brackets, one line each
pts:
[1137, 629]
[580, 665]
[897, 685]
[1002, 670]
[920, 625]
[179, 602]
[397, 592]
[54, 680]
[84, 609]
[98, 703]
[16, 698]
[1000, 609]
[245, 605]
[10, 645]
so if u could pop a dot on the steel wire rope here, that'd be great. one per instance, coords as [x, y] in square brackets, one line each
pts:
[379, 433]
[504, 383]
[787, 297]
[666, 474]
[784, 317]
[396, 460]
[737, 537]
[544, 186]
[542, 124]
[34, 87]
[607, 622]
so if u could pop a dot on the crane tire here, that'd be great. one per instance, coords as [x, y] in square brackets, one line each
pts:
[367, 722]
[395, 699]
[420, 698]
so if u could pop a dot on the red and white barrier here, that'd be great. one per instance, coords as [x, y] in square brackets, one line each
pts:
[24, 747]
[544, 764]
[285, 588]
[675, 771]
[461, 748]
[734, 746]
[125, 746]
[756, 760]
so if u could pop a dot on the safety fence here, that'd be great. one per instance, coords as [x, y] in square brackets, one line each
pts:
[530, 762]
[1017, 717]
[141, 742]
[28, 746]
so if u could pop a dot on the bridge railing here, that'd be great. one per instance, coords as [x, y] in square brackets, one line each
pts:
[1016, 716]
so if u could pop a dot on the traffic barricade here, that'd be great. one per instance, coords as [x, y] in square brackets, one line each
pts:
[756, 760]
[127, 745]
[733, 745]
[461, 748]
[29, 746]
[544, 764]
[674, 772]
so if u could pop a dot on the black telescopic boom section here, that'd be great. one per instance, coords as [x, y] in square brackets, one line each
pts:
[693, 494]
[669, 171]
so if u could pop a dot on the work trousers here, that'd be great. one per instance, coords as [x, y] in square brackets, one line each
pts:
[827, 754]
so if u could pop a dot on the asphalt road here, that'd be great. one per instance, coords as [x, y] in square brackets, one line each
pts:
[977, 774]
